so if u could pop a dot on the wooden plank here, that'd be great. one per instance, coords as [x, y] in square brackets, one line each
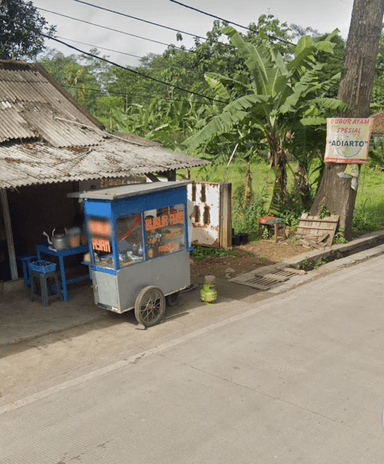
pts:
[310, 228]
[225, 230]
[317, 219]
[9, 234]
[316, 227]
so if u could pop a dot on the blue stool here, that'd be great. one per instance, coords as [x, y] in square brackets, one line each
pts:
[25, 260]
[42, 271]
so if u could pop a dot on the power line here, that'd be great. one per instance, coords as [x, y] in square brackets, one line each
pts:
[101, 48]
[106, 27]
[230, 22]
[134, 72]
[139, 19]
[211, 15]
[108, 93]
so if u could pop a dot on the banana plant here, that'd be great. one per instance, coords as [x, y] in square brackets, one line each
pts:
[274, 98]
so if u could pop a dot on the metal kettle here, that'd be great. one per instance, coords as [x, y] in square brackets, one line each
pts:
[58, 241]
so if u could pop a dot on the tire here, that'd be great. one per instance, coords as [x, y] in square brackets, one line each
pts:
[150, 306]
[172, 299]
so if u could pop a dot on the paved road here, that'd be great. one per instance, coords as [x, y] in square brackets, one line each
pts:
[297, 378]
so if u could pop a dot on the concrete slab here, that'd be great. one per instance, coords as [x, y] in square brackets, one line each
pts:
[21, 319]
[295, 379]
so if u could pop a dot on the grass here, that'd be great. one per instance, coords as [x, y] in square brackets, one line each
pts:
[369, 207]
[235, 174]
[204, 252]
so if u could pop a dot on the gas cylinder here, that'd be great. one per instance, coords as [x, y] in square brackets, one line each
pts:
[208, 294]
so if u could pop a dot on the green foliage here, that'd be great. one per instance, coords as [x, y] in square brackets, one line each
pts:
[245, 216]
[368, 216]
[272, 98]
[312, 264]
[82, 76]
[166, 121]
[205, 252]
[323, 211]
[369, 210]
[21, 28]
[340, 236]
[376, 154]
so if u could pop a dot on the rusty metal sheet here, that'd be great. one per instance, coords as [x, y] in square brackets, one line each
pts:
[36, 163]
[205, 197]
[48, 137]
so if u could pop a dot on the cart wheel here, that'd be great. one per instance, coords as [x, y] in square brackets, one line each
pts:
[172, 299]
[150, 306]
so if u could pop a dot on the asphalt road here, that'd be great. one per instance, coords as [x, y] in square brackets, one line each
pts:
[295, 378]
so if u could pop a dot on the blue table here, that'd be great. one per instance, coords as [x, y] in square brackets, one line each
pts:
[61, 254]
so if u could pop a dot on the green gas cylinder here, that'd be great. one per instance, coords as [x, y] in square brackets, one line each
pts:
[208, 294]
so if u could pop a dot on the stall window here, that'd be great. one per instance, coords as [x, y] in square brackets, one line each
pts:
[165, 231]
[130, 239]
[100, 231]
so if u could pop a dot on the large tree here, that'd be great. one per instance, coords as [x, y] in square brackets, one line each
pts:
[22, 30]
[271, 100]
[355, 90]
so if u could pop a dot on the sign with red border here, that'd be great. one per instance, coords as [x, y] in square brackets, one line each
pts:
[348, 140]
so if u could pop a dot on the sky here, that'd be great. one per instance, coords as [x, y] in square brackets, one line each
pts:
[324, 16]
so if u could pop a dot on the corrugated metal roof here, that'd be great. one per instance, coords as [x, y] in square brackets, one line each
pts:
[125, 191]
[29, 105]
[47, 137]
[37, 163]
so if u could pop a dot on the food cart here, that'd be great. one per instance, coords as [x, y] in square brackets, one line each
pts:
[138, 244]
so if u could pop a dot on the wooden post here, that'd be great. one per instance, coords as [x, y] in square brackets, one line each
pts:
[225, 215]
[9, 235]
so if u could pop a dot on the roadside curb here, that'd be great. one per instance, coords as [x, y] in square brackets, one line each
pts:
[341, 255]
[328, 268]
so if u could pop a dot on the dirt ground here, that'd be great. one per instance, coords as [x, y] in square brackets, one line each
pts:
[251, 256]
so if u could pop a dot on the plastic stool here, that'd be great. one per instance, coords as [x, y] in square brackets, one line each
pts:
[25, 260]
[43, 277]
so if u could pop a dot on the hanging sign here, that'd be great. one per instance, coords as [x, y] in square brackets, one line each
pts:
[348, 140]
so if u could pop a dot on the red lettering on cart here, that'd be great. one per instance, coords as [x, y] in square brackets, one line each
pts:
[177, 218]
[101, 245]
[156, 223]
[99, 228]
[169, 248]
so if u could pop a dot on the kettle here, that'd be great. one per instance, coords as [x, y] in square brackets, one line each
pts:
[58, 241]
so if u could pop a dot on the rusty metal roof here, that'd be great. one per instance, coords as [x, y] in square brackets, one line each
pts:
[36, 163]
[46, 136]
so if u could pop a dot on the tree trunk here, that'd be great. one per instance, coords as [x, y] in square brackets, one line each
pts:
[248, 192]
[355, 90]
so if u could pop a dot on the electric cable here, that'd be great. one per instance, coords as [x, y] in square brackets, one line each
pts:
[108, 93]
[230, 22]
[108, 28]
[211, 15]
[133, 71]
[98, 46]
[139, 19]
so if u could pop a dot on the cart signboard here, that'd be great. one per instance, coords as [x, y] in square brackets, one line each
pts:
[100, 232]
[348, 140]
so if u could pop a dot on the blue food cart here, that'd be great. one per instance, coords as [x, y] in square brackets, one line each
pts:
[138, 244]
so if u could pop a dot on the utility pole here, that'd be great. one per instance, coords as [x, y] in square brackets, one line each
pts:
[355, 90]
